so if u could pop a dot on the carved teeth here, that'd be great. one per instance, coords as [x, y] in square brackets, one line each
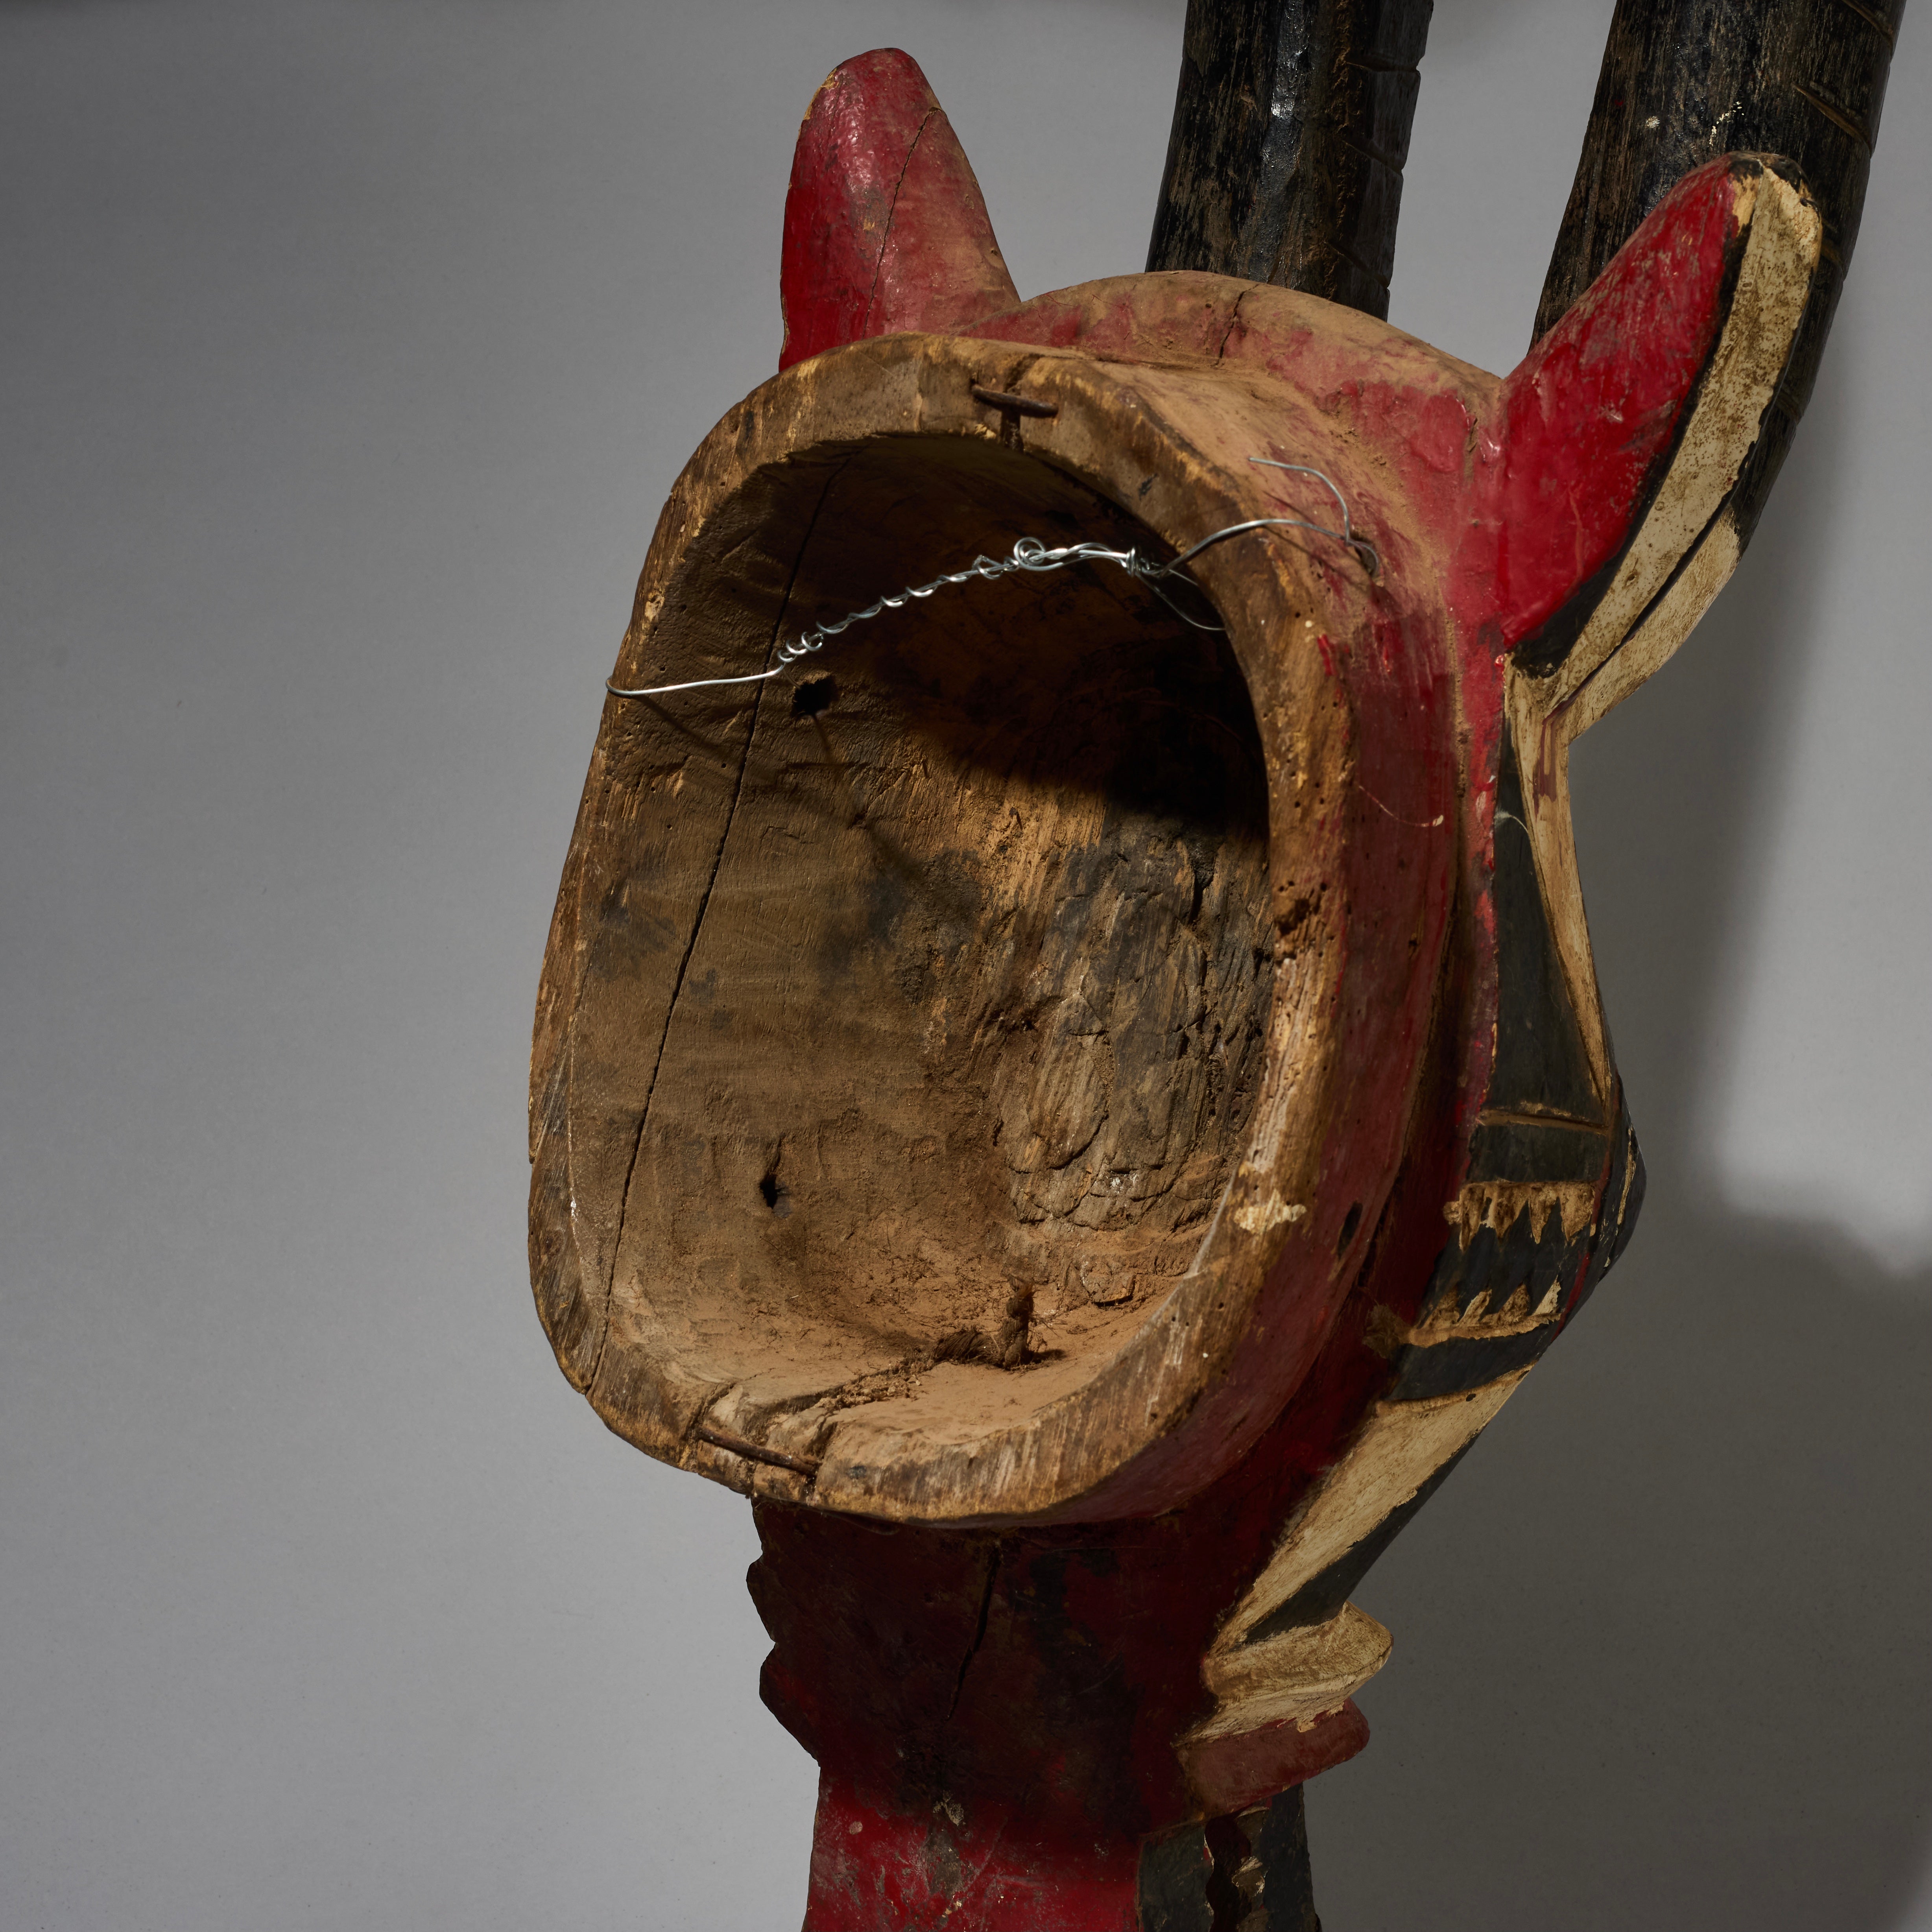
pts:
[1496, 1204]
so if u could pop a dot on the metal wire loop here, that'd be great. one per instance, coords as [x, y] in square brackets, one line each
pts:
[1031, 554]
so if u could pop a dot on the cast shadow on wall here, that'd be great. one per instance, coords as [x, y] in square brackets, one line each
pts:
[1661, 1644]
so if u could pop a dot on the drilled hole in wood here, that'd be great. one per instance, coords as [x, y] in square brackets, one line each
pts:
[811, 695]
[983, 946]
[1350, 1222]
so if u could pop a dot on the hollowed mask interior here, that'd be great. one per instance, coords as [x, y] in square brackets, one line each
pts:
[973, 1008]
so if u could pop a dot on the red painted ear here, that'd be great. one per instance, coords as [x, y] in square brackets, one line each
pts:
[1618, 441]
[885, 228]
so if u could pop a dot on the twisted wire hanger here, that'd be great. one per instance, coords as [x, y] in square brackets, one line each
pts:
[1031, 554]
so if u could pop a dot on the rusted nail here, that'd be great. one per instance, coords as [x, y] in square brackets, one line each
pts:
[755, 1452]
[1012, 405]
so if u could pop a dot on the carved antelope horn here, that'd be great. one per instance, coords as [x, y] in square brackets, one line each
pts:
[1083, 1117]
[1291, 132]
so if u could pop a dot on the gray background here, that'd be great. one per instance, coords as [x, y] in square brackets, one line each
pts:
[350, 351]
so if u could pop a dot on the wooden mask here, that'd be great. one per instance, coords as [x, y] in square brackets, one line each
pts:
[1084, 1096]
